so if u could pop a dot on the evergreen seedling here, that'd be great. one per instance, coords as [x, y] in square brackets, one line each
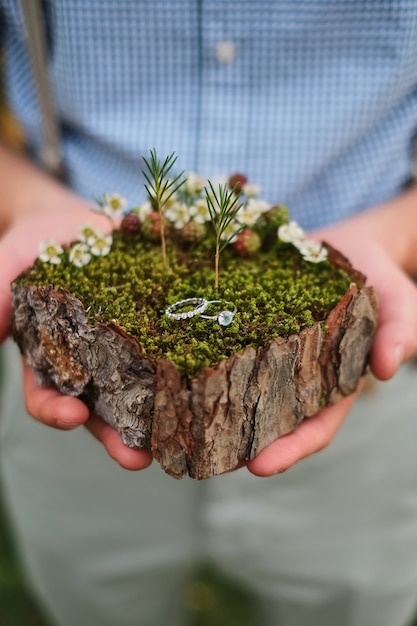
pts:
[223, 208]
[161, 189]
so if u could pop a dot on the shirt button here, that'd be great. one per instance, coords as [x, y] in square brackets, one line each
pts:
[225, 51]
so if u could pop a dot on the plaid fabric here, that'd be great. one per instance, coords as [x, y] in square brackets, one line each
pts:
[315, 100]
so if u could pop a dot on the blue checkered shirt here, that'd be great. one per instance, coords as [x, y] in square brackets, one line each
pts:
[315, 100]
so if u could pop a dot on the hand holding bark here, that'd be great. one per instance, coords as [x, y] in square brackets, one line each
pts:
[381, 243]
[34, 208]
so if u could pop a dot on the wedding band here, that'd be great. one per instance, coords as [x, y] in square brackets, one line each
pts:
[174, 310]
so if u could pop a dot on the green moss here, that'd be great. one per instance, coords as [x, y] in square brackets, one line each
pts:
[276, 294]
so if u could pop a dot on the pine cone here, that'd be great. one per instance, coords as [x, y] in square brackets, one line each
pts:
[193, 232]
[130, 224]
[247, 243]
[237, 182]
[151, 227]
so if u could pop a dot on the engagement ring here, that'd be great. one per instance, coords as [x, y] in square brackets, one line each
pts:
[223, 317]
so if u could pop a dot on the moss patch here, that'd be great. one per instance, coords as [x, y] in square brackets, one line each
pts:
[276, 294]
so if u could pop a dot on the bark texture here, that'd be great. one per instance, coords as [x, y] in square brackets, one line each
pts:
[228, 413]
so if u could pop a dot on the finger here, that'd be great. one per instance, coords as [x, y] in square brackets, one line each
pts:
[313, 434]
[128, 458]
[49, 406]
[396, 338]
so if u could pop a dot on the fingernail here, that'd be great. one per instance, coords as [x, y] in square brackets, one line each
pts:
[398, 355]
[66, 425]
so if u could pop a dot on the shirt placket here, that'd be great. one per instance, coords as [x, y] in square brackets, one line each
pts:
[224, 102]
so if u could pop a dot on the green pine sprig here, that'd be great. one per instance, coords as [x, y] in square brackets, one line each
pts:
[223, 208]
[160, 188]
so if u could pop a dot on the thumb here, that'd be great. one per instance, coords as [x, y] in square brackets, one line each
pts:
[396, 338]
[14, 258]
[20, 246]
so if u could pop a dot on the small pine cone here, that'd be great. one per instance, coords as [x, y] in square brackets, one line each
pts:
[277, 215]
[237, 182]
[151, 227]
[192, 232]
[130, 224]
[247, 243]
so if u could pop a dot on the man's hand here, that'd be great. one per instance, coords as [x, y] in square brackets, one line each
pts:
[33, 208]
[49, 406]
[18, 250]
[367, 245]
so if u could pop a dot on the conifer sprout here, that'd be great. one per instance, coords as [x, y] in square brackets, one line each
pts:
[223, 208]
[161, 189]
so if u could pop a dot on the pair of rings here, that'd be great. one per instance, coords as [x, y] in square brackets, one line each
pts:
[224, 317]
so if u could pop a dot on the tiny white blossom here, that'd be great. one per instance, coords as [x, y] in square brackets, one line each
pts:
[312, 251]
[50, 251]
[259, 205]
[231, 231]
[113, 204]
[143, 210]
[199, 211]
[79, 254]
[251, 211]
[178, 213]
[252, 191]
[194, 183]
[291, 233]
[246, 216]
[100, 244]
[86, 231]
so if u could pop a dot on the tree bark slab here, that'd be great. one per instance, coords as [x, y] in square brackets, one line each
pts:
[228, 413]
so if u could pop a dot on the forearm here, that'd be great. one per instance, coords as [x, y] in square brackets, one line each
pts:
[25, 190]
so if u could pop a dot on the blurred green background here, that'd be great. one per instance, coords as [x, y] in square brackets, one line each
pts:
[209, 599]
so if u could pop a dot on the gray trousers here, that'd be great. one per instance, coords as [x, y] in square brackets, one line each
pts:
[333, 542]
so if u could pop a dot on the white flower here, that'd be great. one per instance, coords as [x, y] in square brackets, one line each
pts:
[231, 231]
[246, 216]
[79, 254]
[312, 251]
[199, 211]
[113, 204]
[251, 191]
[194, 184]
[258, 205]
[178, 213]
[86, 231]
[50, 251]
[291, 233]
[249, 212]
[100, 244]
[143, 210]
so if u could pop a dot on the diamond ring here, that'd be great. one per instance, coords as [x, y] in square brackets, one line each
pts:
[174, 311]
[224, 317]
